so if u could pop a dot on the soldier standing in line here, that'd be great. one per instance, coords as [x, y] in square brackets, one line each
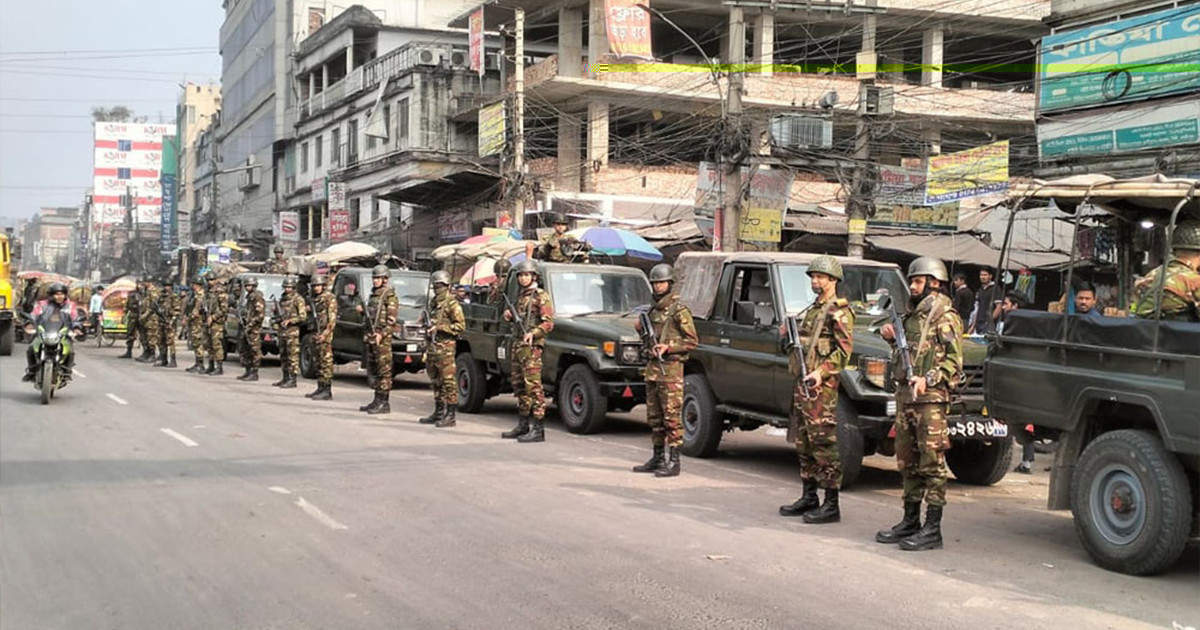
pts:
[197, 333]
[1181, 288]
[168, 319]
[218, 310]
[550, 248]
[446, 324]
[675, 332]
[325, 312]
[500, 285]
[380, 319]
[250, 327]
[537, 320]
[934, 333]
[293, 312]
[132, 315]
[277, 264]
[149, 322]
[826, 341]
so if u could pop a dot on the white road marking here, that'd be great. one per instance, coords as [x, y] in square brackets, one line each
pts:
[117, 399]
[316, 513]
[76, 372]
[278, 490]
[187, 441]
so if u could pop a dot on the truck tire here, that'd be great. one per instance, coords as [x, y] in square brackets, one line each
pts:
[980, 463]
[8, 337]
[702, 429]
[1132, 503]
[472, 383]
[850, 441]
[580, 404]
[308, 357]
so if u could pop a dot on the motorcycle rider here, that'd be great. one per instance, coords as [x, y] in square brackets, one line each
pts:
[57, 310]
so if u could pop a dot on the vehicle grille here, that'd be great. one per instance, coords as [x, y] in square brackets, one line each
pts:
[972, 381]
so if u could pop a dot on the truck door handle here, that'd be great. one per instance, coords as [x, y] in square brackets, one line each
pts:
[723, 341]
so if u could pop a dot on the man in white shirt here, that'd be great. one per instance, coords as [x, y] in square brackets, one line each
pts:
[96, 308]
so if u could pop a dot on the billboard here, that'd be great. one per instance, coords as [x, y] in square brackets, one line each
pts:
[127, 158]
[475, 41]
[971, 173]
[1132, 128]
[628, 28]
[491, 129]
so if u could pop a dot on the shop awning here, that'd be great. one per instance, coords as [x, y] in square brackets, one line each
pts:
[963, 248]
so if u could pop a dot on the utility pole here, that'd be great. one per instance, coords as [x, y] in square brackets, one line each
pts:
[731, 202]
[518, 161]
[858, 204]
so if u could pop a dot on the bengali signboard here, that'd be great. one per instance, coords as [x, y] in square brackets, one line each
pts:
[971, 173]
[475, 41]
[1133, 128]
[1126, 60]
[628, 28]
[762, 215]
[454, 226]
[901, 186]
[942, 217]
[491, 129]
[168, 227]
[339, 215]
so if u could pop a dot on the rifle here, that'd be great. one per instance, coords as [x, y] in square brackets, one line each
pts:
[796, 345]
[277, 322]
[516, 317]
[887, 304]
[649, 339]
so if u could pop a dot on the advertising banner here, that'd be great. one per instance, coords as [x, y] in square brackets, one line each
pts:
[132, 132]
[971, 173]
[454, 226]
[762, 215]
[942, 217]
[491, 129]
[168, 234]
[289, 227]
[901, 186]
[628, 28]
[1134, 127]
[475, 41]
[318, 190]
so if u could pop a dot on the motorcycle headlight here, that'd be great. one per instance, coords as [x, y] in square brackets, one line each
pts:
[631, 354]
[876, 371]
[51, 337]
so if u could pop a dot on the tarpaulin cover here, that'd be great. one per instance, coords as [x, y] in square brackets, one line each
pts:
[1128, 333]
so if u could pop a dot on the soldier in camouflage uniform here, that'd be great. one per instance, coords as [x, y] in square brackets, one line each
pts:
[826, 341]
[445, 324]
[250, 330]
[197, 335]
[218, 309]
[292, 313]
[380, 319]
[537, 319]
[934, 333]
[169, 306]
[277, 264]
[675, 332]
[325, 313]
[550, 248]
[500, 284]
[1181, 288]
[148, 320]
[132, 314]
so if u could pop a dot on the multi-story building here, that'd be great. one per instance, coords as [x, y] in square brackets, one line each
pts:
[197, 111]
[49, 238]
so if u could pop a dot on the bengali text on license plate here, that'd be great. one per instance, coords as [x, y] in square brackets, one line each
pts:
[978, 429]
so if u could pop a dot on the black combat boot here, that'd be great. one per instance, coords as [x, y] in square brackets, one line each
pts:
[163, 360]
[198, 366]
[283, 379]
[671, 468]
[289, 382]
[439, 410]
[654, 463]
[252, 376]
[930, 536]
[128, 352]
[383, 407]
[521, 429]
[212, 368]
[245, 373]
[320, 388]
[447, 419]
[218, 369]
[807, 501]
[171, 363]
[536, 433]
[373, 404]
[829, 512]
[324, 392]
[147, 357]
[910, 525]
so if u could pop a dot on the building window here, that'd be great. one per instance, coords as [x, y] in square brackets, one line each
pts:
[402, 121]
[387, 121]
[317, 151]
[335, 147]
[124, 173]
[352, 141]
[304, 157]
[355, 220]
[124, 145]
[191, 114]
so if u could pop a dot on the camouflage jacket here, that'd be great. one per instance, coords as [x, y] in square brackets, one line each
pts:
[1180, 297]
[292, 310]
[150, 299]
[446, 316]
[218, 303]
[169, 305]
[551, 247]
[325, 312]
[254, 310]
[273, 266]
[496, 292]
[133, 302]
[537, 313]
[382, 310]
[195, 304]
[834, 341]
[934, 334]
[675, 328]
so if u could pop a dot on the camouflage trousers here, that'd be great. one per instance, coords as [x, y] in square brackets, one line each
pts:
[197, 338]
[921, 442]
[527, 381]
[250, 347]
[664, 405]
[166, 338]
[324, 355]
[289, 350]
[380, 358]
[152, 332]
[439, 365]
[216, 341]
[816, 434]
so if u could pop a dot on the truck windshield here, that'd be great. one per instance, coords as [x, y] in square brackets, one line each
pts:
[271, 287]
[412, 292]
[581, 292]
[862, 286]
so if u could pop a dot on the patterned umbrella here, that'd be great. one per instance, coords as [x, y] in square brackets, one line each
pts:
[617, 242]
[483, 272]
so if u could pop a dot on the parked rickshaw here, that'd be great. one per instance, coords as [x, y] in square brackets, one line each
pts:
[112, 319]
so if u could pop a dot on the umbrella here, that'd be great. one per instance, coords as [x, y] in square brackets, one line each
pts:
[617, 242]
[483, 272]
[511, 235]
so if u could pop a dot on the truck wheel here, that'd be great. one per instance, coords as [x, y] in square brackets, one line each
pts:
[8, 337]
[702, 429]
[980, 463]
[1132, 503]
[850, 441]
[580, 404]
[472, 383]
[308, 357]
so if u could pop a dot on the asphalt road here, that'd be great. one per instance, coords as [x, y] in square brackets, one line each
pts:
[151, 498]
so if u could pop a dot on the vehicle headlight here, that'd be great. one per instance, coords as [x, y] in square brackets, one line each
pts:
[3, 301]
[631, 354]
[875, 370]
[51, 337]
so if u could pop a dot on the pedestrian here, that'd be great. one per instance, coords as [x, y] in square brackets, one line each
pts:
[325, 314]
[551, 247]
[1180, 297]
[675, 334]
[218, 310]
[964, 298]
[380, 319]
[445, 325]
[167, 319]
[826, 342]
[1085, 300]
[534, 320]
[96, 309]
[987, 301]
[133, 301]
[500, 284]
[250, 323]
[148, 319]
[277, 264]
[934, 334]
[293, 312]
[197, 330]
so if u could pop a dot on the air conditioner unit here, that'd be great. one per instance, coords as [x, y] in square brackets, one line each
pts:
[796, 131]
[429, 56]
[459, 59]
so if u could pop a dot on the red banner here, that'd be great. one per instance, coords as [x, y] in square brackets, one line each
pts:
[475, 41]
[628, 28]
[339, 225]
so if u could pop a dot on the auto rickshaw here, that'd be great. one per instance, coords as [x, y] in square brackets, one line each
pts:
[112, 318]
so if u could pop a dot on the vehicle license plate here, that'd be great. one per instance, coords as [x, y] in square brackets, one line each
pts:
[978, 429]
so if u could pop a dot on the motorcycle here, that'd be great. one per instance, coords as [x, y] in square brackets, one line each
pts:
[51, 344]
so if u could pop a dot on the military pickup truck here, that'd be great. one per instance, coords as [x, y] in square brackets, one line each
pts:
[738, 377]
[352, 286]
[271, 286]
[593, 357]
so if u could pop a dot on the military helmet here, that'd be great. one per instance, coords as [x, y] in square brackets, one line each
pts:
[380, 271]
[56, 287]
[251, 281]
[440, 277]
[827, 265]
[279, 249]
[1186, 235]
[555, 218]
[502, 267]
[289, 283]
[662, 272]
[319, 281]
[928, 266]
[527, 266]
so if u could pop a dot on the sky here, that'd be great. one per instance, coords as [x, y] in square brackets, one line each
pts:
[60, 58]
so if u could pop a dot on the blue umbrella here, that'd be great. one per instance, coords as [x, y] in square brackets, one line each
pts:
[617, 242]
